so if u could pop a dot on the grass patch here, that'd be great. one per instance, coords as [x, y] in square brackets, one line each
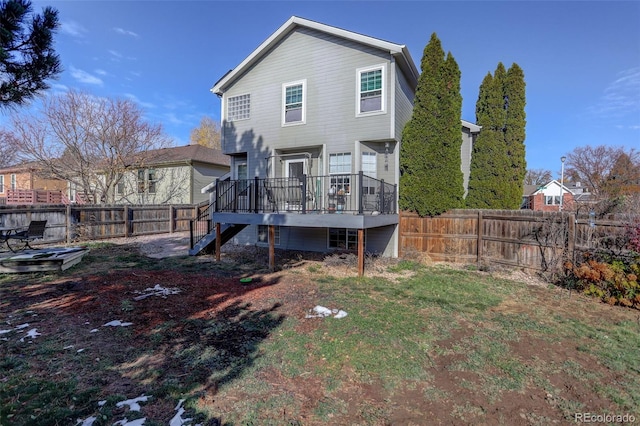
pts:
[455, 345]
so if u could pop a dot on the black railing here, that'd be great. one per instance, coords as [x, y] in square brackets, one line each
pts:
[345, 193]
[201, 226]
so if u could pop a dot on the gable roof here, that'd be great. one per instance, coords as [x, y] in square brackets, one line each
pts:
[398, 51]
[187, 154]
[534, 189]
[473, 128]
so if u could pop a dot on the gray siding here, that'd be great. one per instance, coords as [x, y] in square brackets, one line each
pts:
[329, 66]
[404, 95]
[203, 175]
[378, 240]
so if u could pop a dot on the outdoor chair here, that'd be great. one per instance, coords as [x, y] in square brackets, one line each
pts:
[21, 239]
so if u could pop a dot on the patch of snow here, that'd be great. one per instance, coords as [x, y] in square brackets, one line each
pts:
[21, 326]
[177, 420]
[95, 330]
[5, 331]
[33, 333]
[117, 323]
[87, 422]
[133, 403]
[157, 290]
[321, 312]
[125, 422]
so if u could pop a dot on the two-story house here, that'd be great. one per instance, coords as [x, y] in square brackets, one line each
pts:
[312, 120]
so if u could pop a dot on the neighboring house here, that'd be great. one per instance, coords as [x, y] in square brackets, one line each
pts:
[312, 120]
[27, 177]
[547, 197]
[172, 176]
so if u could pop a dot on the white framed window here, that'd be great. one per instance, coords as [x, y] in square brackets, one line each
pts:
[239, 107]
[263, 235]
[343, 238]
[340, 171]
[1, 183]
[369, 164]
[294, 102]
[552, 200]
[14, 182]
[371, 90]
[147, 179]
[120, 184]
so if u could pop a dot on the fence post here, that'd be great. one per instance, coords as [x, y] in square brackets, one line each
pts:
[172, 224]
[126, 221]
[571, 236]
[479, 243]
[68, 230]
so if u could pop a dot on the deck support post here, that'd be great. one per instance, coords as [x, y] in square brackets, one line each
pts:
[360, 252]
[272, 247]
[218, 238]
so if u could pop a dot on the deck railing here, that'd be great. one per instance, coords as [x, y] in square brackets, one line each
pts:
[345, 193]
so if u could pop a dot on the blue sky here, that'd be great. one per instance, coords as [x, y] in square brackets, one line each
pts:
[581, 59]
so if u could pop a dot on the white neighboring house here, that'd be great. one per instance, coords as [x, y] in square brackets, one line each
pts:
[547, 197]
[174, 176]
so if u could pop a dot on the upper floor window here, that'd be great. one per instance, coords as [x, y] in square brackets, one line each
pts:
[14, 182]
[239, 108]
[371, 90]
[293, 101]
[1, 183]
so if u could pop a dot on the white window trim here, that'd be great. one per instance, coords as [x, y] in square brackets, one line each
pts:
[230, 120]
[359, 71]
[277, 234]
[304, 102]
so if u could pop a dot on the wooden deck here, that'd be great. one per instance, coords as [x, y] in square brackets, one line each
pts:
[41, 260]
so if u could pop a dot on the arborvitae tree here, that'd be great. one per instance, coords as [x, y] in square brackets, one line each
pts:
[27, 57]
[514, 134]
[498, 164]
[431, 181]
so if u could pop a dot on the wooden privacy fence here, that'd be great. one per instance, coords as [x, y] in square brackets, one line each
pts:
[68, 223]
[519, 238]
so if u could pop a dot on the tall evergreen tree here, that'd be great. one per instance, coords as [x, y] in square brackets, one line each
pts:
[431, 181]
[498, 164]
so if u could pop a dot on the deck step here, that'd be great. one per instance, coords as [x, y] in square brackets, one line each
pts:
[207, 244]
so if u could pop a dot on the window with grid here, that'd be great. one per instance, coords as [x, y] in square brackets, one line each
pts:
[343, 238]
[293, 100]
[152, 178]
[140, 181]
[340, 171]
[239, 108]
[369, 168]
[263, 234]
[2, 183]
[371, 88]
[14, 182]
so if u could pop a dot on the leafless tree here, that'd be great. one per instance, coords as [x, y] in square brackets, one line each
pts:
[8, 147]
[537, 177]
[207, 134]
[88, 141]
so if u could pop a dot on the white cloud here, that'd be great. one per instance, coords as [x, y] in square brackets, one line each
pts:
[122, 31]
[621, 96]
[135, 99]
[84, 77]
[116, 54]
[100, 72]
[72, 28]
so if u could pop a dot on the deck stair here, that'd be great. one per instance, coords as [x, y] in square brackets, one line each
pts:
[208, 243]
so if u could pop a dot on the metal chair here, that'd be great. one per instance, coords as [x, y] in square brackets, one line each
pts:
[20, 240]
